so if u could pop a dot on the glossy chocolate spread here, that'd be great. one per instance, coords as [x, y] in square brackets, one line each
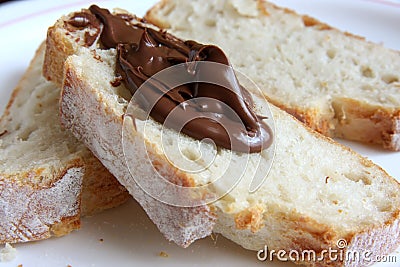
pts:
[205, 110]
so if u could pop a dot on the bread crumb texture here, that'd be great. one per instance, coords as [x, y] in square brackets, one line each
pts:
[302, 65]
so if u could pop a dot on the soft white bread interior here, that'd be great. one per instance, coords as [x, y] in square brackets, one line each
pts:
[48, 179]
[337, 83]
[316, 192]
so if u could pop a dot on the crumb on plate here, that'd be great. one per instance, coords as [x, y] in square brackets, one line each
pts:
[163, 254]
[8, 253]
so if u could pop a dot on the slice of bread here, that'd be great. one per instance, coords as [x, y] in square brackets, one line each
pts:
[48, 179]
[335, 82]
[316, 194]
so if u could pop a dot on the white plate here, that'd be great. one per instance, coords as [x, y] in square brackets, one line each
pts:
[129, 238]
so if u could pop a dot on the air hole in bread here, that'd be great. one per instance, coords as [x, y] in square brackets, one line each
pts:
[19, 104]
[355, 61]
[358, 178]
[365, 180]
[17, 127]
[39, 96]
[387, 208]
[191, 154]
[121, 100]
[331, 53]
[24, 135]
[38, 109]
[367, 72]
[210, 22]
[390, 78]
[367, 87]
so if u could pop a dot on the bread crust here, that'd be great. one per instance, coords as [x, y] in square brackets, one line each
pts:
[383, 126]
[32, 213]
[49, 201]
[63, 48]
[169, 219]
[79, 98]
[85, 113]
[385, 131]
[19, 194]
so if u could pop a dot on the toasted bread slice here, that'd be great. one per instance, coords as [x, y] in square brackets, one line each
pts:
[48, 179]
[337, 83]
[317, 191]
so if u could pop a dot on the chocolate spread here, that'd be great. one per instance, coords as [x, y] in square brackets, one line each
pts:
[221, 113]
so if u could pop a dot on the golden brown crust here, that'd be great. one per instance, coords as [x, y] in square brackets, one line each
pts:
[59, 51]
[251, 218]
[153, 18]
[386, 134]
[100, 189]
[312, 22]
[380, 125]
[379, 240]
[65, 226]
[309, 117]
